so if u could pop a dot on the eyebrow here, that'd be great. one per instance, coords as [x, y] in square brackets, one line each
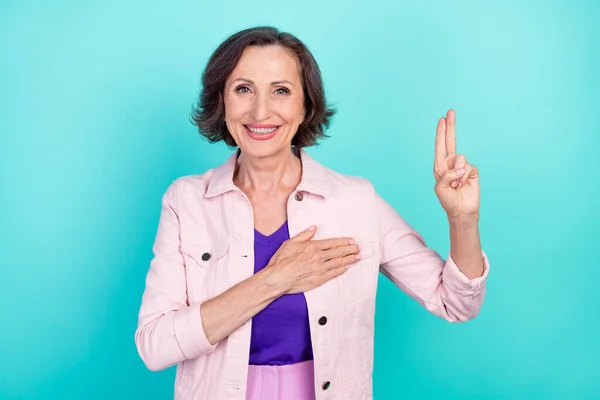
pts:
[272, 83]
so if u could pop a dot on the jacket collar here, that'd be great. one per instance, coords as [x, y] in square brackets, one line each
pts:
[313, 176]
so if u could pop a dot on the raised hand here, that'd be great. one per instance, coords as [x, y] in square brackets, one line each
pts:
[457, 181]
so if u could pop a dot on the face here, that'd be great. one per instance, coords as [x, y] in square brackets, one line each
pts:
[264, 101]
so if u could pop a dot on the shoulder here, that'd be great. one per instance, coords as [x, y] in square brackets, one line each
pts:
[349, 186]
[196, 182]
[194, 185]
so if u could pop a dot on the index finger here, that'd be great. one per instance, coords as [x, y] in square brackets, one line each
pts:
[326, 244]
[440, 140]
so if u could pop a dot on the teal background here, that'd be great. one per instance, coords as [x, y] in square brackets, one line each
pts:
[94, 104]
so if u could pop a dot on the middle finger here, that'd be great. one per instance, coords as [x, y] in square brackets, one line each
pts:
[451, 133]
[341, 251]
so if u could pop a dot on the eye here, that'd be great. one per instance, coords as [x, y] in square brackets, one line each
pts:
[242, 89]
[282, 90]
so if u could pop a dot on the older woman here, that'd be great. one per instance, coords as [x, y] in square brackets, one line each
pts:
[265, 271]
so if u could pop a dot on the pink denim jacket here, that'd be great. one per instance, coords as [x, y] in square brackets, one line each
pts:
[205, 244]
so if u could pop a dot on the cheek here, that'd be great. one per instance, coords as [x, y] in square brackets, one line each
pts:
[234, 108]
[293, 112]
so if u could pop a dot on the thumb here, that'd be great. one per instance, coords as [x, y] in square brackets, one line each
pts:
[450, 176]
[305, 235]
[460, 162]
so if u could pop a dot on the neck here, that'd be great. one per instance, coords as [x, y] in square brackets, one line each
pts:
[282, 170]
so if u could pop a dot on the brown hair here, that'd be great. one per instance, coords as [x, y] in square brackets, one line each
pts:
[209, 113]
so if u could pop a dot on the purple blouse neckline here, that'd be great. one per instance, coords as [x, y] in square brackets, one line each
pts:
[276, 237]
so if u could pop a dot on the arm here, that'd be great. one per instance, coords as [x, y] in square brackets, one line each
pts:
[465, 245]
[419, 271]
[224, 314]
[169, 330]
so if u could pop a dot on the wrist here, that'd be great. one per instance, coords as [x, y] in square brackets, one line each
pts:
[267, 284]
[464, 220]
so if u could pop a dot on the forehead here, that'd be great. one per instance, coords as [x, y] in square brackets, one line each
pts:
[268, 63]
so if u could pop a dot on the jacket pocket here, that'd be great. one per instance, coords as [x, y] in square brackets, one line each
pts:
[201, 261]
[203, 255]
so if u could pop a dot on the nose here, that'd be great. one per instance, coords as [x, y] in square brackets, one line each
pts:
[261, 107]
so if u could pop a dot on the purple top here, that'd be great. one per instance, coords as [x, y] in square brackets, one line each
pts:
[281, 331]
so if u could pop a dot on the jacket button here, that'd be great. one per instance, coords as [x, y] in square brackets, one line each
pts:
[299, 196]
[326, 385]
[322, 320]
[205, 256]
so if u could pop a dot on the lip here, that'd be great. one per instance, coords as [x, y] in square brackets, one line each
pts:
[261, 126]
[261, 137]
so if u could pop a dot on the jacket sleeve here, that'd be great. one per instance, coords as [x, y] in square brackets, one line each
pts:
[169, 330]
[419, 271]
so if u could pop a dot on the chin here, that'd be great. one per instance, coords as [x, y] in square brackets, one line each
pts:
[261, 150]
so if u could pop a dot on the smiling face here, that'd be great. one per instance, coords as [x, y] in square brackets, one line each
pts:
[264, 101]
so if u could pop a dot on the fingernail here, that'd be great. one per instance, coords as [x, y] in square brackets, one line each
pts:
[351, 241]
[346, 266]
[358, 256]
[312, 228]
[460, 171]
[454, 184]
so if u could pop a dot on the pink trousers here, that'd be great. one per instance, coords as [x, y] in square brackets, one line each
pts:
[295, 381]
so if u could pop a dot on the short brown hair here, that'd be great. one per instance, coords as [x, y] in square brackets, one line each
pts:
[209, 113]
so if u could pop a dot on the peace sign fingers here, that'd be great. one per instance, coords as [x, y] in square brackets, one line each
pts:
[445, 137]
[445, 144]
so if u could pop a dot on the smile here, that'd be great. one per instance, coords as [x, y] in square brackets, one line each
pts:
[261, 132]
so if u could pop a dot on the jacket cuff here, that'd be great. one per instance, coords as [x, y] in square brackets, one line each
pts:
[455, 280]
[189, 332]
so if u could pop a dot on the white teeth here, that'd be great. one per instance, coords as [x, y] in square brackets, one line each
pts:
[261, 131]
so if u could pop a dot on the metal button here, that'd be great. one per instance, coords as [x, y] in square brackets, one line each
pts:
[299, 196]
[326, 385]
[322, 320]
[205, 256]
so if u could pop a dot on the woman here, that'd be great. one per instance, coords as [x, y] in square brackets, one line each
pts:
[265, 270]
